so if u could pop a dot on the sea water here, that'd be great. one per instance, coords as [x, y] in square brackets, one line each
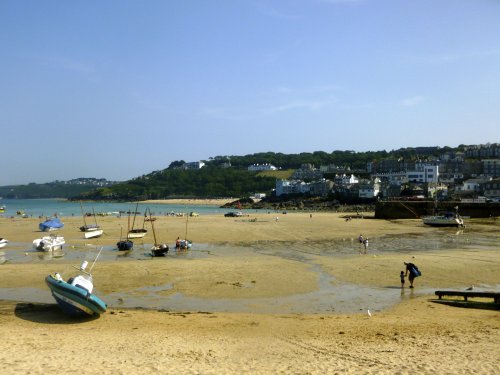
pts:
[62, 207]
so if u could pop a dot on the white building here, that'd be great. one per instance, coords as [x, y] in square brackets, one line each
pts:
[369, 189]
[424, 173]
[291, 187]
[473, 185]
[194, 165]
[258, 196]
[345, 180]
[262, 167]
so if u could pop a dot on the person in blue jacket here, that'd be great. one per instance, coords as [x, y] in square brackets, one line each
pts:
[412, 272]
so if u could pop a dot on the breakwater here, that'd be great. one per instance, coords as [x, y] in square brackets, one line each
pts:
[416, 209]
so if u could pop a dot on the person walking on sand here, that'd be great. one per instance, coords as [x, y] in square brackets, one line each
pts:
[402, 277]
[412, 271]
[360, 239]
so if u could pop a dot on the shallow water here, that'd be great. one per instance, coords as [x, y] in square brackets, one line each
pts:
[330, 296]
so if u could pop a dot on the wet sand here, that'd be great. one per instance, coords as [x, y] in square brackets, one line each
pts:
[415, 335]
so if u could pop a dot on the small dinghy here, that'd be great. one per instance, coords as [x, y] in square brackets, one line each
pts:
[75, 296]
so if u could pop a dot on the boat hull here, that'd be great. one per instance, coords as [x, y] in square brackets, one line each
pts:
[436, 221]
[137, 233]
[124, 245]
[93, 233]
[73, 300]
[159, 250]
[49, 243]
[89, 227]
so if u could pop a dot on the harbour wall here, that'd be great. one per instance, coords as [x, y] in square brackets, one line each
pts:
[416, 209]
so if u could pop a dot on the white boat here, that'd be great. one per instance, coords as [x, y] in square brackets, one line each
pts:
[137, 232]
[3, 242]
[93, 233]
[49, 243]
[90, 230]
[445, 219]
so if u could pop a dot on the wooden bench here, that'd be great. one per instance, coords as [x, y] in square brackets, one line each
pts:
[494, 295]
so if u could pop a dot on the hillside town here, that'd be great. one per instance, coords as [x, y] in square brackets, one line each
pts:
[472, 175]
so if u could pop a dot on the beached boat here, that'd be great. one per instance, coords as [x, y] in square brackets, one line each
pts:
[137, 232]
[184, 244]
[90, 230]
[445, 219]
[49, 243]
[93, 233]
[75, 296]
[157, 250]
[50, 225]
[124, 245]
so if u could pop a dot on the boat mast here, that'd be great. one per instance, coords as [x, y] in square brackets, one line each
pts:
[95, 219]
[84, 221]
[135, 213]
[152, 227]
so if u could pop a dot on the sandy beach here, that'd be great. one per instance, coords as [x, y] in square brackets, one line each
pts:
[414, 335]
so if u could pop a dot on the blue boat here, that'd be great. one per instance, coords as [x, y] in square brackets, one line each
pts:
[75, 296]
[50, 224]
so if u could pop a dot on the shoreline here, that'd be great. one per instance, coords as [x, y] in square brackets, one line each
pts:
[193, 201]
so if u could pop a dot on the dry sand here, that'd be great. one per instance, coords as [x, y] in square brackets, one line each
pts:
[415, 336]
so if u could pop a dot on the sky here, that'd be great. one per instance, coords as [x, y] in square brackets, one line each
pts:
[119, 88]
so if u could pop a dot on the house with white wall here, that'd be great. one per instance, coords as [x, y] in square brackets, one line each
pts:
[423, 173]
[262, 167]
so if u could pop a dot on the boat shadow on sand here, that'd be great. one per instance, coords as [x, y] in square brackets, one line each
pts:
[47, 313]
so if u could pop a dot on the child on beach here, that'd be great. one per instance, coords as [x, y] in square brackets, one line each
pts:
[402, 276]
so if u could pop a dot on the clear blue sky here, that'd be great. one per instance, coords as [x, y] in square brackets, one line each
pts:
[117, 89]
